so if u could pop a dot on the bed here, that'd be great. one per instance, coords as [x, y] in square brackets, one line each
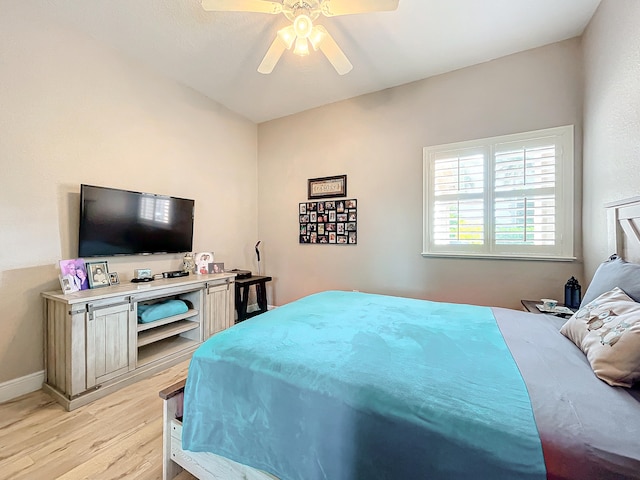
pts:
[348, 385]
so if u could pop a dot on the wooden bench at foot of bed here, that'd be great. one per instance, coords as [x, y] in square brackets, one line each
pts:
[205, 466]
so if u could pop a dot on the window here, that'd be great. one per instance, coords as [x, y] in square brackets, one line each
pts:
[506, 197]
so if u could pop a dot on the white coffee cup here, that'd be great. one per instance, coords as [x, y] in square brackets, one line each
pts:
[549, 304]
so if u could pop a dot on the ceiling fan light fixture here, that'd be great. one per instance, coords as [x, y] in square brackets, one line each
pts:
[287, 35]
[302, 47]
[316, 38]
[302, 31]
[302, 25]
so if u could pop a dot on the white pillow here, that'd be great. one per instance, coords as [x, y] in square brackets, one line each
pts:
[607, 330]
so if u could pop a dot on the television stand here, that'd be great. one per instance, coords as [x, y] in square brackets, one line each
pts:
[94, 344]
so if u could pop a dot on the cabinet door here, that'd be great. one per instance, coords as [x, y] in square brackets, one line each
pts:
[219, 311]
[64, 346]
[109, 350]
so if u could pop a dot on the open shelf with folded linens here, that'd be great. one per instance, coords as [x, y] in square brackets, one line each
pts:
[168, 325]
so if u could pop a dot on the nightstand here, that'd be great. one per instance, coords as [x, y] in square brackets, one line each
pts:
[530, 306]
[242, 296]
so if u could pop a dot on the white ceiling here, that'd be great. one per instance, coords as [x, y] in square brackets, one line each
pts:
[218, 53]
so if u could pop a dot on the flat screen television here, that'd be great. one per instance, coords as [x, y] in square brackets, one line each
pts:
[121, 222]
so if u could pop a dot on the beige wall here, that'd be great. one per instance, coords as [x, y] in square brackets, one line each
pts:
[73, 112]
[612, 118]
[377, 141]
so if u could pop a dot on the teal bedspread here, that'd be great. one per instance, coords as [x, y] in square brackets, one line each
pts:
[347, 385]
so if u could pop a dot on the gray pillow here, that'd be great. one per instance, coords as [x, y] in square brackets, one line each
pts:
[613, 273]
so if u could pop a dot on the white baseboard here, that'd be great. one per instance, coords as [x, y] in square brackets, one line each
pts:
[21, 386]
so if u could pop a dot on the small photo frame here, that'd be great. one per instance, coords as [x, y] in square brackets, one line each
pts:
[66, 285]
[204, 262]
[216, 268]
[73, 275]
[113, 278]
[98, 273]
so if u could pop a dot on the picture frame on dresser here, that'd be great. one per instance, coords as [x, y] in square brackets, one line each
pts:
[98, 273]
[204, 262]
[114, 279]
[73, 275]
[66, 285]
[216, 267]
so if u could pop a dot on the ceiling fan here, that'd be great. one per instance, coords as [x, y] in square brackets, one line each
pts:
[302, 31]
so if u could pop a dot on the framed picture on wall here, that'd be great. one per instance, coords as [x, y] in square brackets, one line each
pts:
[329, 222]
[327, 187]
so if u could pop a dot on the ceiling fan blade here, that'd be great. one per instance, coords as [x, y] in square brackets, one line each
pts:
[258, 6]
[331, 8]
[320, 39]
[272, 56]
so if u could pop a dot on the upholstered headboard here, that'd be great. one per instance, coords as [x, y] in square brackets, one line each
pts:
[623, 218]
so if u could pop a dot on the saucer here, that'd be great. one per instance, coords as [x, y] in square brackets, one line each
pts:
[557, 310]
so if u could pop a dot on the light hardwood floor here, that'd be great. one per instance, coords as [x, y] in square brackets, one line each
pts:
[116, 437]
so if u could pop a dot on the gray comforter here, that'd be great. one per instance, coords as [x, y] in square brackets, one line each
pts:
[589, 430]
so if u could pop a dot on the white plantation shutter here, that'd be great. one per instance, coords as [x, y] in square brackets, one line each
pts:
[508, 196]
[525, 191]
[458, 207]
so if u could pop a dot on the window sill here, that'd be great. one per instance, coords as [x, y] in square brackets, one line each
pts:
[487, 256]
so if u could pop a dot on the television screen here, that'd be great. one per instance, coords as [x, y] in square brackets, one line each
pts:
[120, 222]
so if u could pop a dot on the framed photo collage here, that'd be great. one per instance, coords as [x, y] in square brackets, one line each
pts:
[329, 222]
